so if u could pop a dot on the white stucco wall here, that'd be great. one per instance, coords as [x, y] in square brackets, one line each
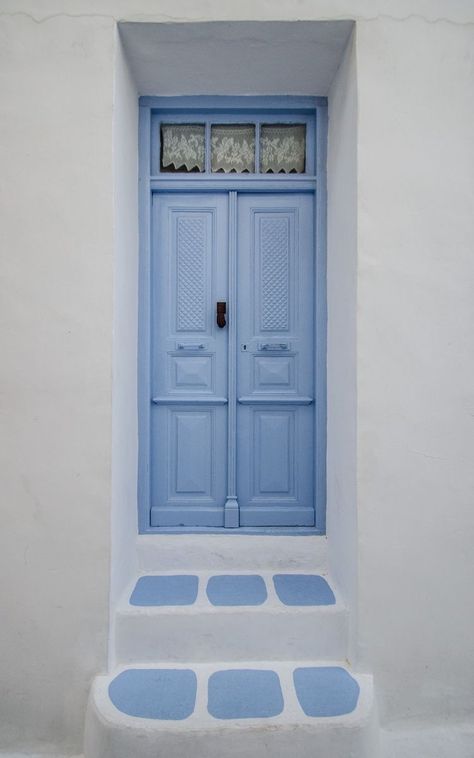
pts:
[56, 368]
[416, 363]
[125, 329]
[66, 244]
[341, 340]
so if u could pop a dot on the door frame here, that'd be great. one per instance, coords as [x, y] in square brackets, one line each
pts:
[315, 110]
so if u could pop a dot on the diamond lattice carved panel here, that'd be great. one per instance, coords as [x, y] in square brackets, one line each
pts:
[274, 263]
[191, 273]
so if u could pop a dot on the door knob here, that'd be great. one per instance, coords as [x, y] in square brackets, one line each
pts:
[221, 309]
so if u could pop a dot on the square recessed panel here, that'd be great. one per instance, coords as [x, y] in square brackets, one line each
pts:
[244, 694]
[303, 589]
[165, 590]
[155, 693]
[229, 589]
[326, 690]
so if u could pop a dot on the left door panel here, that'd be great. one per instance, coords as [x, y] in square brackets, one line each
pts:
[188, 445]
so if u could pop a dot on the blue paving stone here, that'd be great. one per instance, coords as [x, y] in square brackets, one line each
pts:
[228, 589]
[244, 694]
[303, 589]
[165, 590]
[326, 690]
[155, 693]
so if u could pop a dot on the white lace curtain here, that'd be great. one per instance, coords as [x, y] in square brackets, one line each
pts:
[233, 148]
[183, 145]
[282, 148]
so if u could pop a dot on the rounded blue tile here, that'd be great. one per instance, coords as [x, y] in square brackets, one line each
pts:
[326, 690]
[303, 589]
[155, 693]
[236, 589]
[179, 589]
[244, 694]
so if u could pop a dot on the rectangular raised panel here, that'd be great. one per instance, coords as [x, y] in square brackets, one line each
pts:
[273, 242]
[274, 453]
[274, 373]
[192, 441]
[192, 373]
[192, 285]
[276, 366]
[189, 374]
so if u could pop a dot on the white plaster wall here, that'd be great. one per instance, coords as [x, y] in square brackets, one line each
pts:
[125, 329]
[55, 368]
[341, 352]
[414, 345]
[415, 339]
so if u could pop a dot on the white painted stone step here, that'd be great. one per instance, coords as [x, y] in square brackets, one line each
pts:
[256, 625]
[231, 552]
[232, 710]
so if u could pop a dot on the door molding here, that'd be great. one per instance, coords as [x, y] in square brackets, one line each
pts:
[149, 184]
[231, 507]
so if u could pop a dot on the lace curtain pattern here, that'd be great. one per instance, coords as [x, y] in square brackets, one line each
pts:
[282, 148]
[183, 145]
[233, 148]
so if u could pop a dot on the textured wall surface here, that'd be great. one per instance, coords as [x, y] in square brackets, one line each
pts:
[416, 363]
[411, 289]
[341, 341]
[56, 347]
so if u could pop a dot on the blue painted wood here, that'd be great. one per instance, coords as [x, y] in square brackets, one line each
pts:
[232, 182]
[275, 376]
[219, 114]
[291, 531]
[151, 398]
[231, 508]
[188, 440]
[214, 103]
[320, 373]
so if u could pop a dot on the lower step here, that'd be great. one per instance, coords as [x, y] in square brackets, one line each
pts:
[267, 710]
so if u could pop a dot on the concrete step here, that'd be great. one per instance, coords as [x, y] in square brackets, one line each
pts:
[207, 616]
[264, 710]
[230, 552]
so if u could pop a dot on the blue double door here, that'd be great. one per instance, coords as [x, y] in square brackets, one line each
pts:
[232, 405]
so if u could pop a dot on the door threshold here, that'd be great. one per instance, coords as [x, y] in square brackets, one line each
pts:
[288, 531]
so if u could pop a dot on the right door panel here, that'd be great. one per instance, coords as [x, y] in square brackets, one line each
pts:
[275, 382]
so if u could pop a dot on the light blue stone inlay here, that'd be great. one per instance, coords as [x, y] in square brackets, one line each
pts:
[303, 589]
[155, 693]
[326, 690]
[244, 694]
[165, 590]
[241, 589]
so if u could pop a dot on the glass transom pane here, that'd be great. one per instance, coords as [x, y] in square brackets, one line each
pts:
[183, 147]
[282, 148]
[233, 148]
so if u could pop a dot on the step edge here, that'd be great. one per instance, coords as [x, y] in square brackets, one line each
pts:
[110, 716]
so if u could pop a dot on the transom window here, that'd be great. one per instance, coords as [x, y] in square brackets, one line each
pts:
[267, 144]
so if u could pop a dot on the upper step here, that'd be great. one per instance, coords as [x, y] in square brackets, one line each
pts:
[231, 552]
[209, 616]
[264, 710]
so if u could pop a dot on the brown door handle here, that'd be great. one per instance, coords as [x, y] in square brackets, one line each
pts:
[221, 309]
